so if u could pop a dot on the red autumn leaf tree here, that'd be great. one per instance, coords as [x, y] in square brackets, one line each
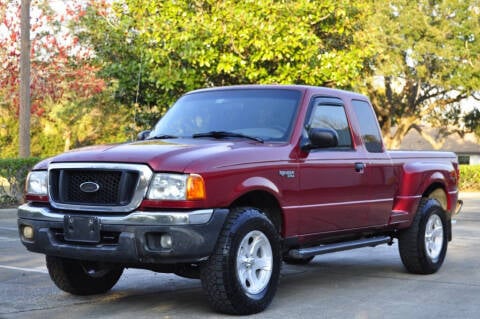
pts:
[59, 65]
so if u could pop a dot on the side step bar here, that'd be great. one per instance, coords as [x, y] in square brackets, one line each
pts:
[331, 248]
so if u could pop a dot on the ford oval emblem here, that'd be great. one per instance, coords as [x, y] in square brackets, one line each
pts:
[89, 187]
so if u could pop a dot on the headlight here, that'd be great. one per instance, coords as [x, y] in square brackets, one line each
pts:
[165, 186]
[37, 182]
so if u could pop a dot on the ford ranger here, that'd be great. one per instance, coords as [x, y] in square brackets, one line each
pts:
[230, 183]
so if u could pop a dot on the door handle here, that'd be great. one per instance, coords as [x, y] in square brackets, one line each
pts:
[360, 167]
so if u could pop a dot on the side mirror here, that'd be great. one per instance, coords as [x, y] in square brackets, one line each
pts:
[143, 135]
[320, 138]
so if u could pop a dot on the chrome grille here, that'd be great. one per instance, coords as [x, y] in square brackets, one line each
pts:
[118, 187]
[115, 187]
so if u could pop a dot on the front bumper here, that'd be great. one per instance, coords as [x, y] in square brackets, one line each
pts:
[133, 239]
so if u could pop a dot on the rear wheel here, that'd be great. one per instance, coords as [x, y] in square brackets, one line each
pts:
[423, 246]
[82, 278]
[242, 274]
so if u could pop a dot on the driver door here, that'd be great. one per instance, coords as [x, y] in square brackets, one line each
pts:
[333, 185]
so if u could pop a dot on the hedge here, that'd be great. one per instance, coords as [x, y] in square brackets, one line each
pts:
[469, 178]
[13, 172]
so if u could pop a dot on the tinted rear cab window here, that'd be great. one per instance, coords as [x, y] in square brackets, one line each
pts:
[368, 123]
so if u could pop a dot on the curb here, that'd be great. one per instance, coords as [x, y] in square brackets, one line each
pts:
[469, 195]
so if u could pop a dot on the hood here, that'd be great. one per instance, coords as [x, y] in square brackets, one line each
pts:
[173, 155]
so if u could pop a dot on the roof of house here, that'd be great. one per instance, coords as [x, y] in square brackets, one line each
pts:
[468, 144]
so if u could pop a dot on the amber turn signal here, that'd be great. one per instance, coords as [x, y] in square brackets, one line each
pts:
[195, 187]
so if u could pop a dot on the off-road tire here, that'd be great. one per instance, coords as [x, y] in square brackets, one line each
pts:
[82, 278]
[220, 276]
[412, 241]
[297, 261]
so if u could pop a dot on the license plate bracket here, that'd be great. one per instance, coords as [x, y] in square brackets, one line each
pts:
[85, 229]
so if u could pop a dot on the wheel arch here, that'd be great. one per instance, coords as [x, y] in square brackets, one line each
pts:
[437, 191]
[266, 202]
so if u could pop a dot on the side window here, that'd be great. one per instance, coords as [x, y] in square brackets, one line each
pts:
[368, 126]
[332, 116]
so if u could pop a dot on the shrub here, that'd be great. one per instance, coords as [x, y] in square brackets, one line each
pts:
[13, 173]
[469, 178]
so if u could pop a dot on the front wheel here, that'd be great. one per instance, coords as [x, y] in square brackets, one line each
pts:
[242, 274]
[81, 277]
[423, 246]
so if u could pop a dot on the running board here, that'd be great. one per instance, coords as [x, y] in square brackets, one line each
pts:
[331, 248]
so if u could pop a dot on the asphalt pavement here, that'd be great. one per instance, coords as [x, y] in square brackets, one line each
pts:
[364, 283]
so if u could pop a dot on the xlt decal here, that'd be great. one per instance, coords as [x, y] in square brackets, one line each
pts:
[287, 174]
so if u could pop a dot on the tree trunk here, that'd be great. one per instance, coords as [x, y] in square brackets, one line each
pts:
[393, 140]
[68, 140]
[437, 142]
[24, 114]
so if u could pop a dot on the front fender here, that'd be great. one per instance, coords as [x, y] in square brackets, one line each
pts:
[257, 183]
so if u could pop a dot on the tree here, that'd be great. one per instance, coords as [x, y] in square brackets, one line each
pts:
[427, 61]
[157, 50]
[61, 72]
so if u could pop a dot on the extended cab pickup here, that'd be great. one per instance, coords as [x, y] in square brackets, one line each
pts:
[231, 182]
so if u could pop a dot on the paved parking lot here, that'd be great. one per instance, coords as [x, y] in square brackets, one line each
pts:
[363, 283]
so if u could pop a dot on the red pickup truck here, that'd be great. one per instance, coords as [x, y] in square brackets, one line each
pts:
[231, 182]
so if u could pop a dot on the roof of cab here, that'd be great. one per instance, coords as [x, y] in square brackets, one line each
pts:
[303, 88]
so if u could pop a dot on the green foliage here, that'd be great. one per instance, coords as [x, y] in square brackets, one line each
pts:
[70, 123]
[415, 59]
[472, 121]
[8, 130]
[158, 50]
[13, 173]
[73, 123]
[469, 178]
[414, 72]
[426, 62]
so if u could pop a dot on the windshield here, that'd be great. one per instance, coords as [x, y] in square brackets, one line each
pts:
[267, 114]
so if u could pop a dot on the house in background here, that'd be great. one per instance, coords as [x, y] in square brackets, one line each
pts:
[467, 147]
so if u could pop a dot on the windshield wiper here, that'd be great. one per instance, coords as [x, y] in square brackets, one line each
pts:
[224, 134]
[162, 137]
